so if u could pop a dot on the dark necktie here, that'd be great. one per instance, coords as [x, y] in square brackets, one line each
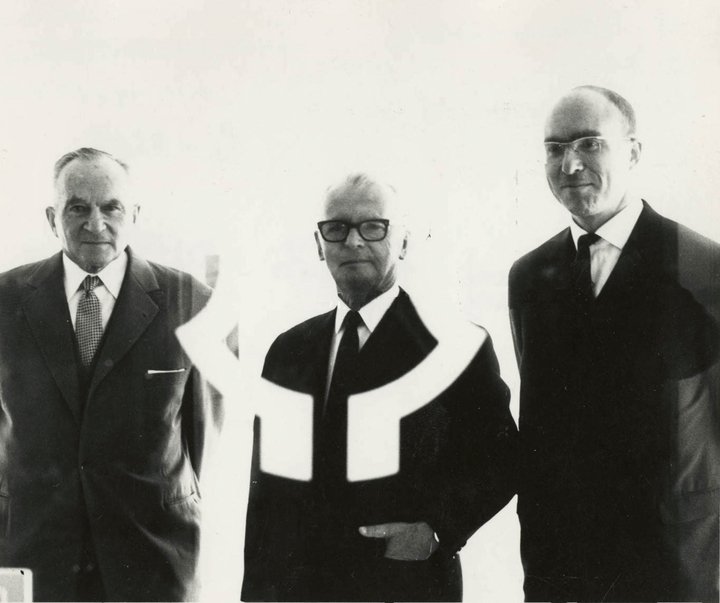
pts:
[582, 277]
[332, 444]
[88, 321]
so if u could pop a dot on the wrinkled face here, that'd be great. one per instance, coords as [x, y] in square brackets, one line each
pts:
[592, 185]
[368, 268]
[92, 216]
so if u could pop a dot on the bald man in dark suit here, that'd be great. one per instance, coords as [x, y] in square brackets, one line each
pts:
[615, 321]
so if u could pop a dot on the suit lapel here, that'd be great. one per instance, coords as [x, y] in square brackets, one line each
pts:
[134, 310]
[319, 357]
[555, 274]
[46, 309]
[398, 343]
[642, 251]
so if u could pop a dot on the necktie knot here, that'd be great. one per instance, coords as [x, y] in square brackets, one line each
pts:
[352, 320]
[585, 241]
[90, 282]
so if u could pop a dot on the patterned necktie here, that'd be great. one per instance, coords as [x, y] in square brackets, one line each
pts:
[582, 276]
[332, 442]
[88, 322]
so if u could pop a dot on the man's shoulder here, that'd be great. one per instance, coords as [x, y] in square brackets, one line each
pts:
[173, 277]
[174, 289]
[18, 277]
[547, 252]
[682, 251]
[541, 261]
[168, 278]
[687, 238]
[305, 332]
[296, 350]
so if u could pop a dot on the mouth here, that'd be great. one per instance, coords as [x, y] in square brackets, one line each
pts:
[576, 185]
[353, 262]
[96, 243]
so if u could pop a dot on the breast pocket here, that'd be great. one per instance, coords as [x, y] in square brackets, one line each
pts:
[171, 381]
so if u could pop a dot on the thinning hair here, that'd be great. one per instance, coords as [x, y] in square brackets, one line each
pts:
[620, 102]
[358, 181]
[362, 181]
[86, 154]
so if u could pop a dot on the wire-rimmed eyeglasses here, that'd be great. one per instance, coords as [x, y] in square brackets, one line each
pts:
[337, 231]
[586, 146]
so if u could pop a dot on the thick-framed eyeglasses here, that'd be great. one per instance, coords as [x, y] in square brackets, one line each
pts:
[587, 146]
[337, 231]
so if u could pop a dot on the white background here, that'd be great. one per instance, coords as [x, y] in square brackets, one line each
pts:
[235, 116]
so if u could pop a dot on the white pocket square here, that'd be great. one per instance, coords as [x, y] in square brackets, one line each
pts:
[164, 371]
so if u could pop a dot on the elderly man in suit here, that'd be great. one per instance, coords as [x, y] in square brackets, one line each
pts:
[615, 322]
[103, 416]
[392, 538]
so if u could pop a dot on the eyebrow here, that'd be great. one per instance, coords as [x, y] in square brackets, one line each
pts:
[575, 136]
[76, 199]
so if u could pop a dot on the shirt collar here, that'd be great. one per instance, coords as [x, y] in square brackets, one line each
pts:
[111, 276]
[617, 229]
[372, 312]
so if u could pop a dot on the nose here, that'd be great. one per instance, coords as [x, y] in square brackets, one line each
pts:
[95, 222]
[354, 239]
[571, 162]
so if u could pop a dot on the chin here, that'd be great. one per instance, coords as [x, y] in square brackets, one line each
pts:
[580, 207]
[95, 264]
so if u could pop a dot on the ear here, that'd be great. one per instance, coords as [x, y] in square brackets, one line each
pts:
[321, 253]
[635, 153]
[135, 213]
[50, 215]
[403, 249]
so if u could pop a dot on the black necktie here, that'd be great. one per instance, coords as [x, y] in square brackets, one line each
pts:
[582, 277]
[332, 434]
[88, 321]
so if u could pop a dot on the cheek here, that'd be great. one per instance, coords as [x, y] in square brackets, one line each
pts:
[68, 230]
[381, 257]
[551, 175]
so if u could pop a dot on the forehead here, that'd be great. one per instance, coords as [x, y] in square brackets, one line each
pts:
[91, 180]
[584, 113]
[355, 203]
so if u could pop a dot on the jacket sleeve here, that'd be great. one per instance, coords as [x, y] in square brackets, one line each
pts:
[203, 414]
[479, 474]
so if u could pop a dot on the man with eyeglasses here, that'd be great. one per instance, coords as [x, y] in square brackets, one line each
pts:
[393, 538]
[615, 323]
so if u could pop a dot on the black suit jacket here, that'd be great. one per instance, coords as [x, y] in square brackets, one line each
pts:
[110, 463]
[620, 420]
[456, 472]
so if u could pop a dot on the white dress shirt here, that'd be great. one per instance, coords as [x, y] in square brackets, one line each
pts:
[371, 314]
[111, 278]
[605, 252]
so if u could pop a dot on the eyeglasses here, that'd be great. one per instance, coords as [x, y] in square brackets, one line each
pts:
[586, 146]
[337, 231]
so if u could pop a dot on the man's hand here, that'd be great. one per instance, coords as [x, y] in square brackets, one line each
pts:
[404, 541]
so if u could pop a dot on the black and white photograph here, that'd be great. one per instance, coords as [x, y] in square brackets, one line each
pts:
[360, 300]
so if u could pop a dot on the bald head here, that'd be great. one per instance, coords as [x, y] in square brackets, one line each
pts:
[361, 187]
[591, 177]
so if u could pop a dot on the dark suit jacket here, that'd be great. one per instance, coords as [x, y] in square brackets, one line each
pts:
[620, 420]
[456, 472]
[110, 462]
